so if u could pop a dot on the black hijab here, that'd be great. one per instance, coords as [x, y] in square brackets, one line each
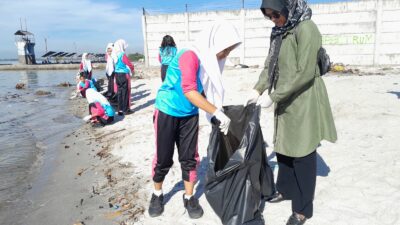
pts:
[296, 11]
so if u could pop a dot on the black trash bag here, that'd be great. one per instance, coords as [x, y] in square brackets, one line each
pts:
[238, 176]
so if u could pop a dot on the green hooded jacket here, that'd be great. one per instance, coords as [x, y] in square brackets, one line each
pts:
[303, 115]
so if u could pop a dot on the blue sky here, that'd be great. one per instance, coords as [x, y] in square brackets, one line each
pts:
[89, 25]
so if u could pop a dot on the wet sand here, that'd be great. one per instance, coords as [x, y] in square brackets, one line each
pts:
[87, 185]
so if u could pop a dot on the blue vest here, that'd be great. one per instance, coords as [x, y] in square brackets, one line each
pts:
[167, 54]
[170, 97]
[120, 66]
[109, 110]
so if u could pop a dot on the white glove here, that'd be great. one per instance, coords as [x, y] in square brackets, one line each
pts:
[87, 118]
[252, 97]
[265, 101]
[225, 121]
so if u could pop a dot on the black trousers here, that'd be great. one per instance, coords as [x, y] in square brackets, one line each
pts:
[296, 181]
[182, 131]
[110, 86]
[83, 93]
[123, 94]
[87, 75]
[163, 72]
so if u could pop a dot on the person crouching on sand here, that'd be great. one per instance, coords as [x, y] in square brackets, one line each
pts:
[99, 108]
[194, 71]
[123, 69]
[84, 84]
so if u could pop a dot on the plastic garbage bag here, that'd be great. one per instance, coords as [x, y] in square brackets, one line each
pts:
[238, 177]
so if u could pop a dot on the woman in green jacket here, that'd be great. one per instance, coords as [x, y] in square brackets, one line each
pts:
[303, 115]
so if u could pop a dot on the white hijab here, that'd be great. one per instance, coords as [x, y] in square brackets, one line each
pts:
[212, 40]
[110, 61]
[119, 46]
[94, 96]
[87, 65]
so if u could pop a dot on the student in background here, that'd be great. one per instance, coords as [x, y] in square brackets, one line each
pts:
[123, 69]
[192, 72]
[86, 66]
[84, 84]
[110, 71]
[166, 53]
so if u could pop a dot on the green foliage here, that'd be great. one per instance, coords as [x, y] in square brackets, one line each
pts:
[135, 57]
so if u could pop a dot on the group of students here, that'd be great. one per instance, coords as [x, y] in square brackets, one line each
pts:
[119, 70]
[291, 75]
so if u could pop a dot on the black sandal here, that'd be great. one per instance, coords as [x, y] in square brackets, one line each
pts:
[277, 197]
[295, 220]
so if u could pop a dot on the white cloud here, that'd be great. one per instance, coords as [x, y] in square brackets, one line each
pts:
[91, 25]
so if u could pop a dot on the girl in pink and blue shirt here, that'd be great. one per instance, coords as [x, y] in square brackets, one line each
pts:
[193, 80]
[84, 84]
[100, 108]
[166, 53]
[123, 70]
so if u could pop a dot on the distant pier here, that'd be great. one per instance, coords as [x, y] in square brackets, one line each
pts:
[49, 66]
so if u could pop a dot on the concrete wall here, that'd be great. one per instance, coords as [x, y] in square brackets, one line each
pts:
[358, 32]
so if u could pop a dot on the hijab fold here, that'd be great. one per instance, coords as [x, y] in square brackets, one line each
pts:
[298, 11]
[119, 47]
[212, 40]
[94, 96]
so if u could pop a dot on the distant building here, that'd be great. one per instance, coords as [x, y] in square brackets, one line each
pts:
[25, 42]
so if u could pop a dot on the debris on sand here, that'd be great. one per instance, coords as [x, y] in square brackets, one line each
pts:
[241, 66]
[79, 223]
[81, 171]
[108, 176]
[104, 153]
[341, 68]
[337, 67]
[94, 191]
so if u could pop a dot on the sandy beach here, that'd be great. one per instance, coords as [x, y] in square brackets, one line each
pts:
[357, 176]
[104, 175]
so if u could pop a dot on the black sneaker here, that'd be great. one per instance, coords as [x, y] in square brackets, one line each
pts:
[129, 111]
[156, 207]
[193, 207]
